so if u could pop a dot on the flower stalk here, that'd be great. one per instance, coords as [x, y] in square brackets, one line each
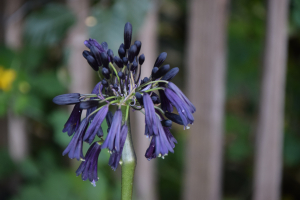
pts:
[128, 160]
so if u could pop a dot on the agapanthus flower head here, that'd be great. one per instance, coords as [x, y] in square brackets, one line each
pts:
[121, 86]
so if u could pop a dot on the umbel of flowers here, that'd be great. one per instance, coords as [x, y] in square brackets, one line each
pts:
[121, 86]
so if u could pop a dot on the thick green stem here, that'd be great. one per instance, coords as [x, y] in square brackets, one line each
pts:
[128, 161]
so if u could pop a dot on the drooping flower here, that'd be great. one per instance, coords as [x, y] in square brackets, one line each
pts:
[115, 157]
[96, 125]
[88, 167]
[183, 109]
[74, 149]
[165, 102]
[73, 122]
[161, 144]
[112, 141]
[179, 93]
[150, 116]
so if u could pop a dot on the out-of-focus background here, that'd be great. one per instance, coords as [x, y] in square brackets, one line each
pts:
[239, 60]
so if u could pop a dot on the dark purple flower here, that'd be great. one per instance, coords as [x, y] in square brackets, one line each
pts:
[131, 53]
[170, 137]
[161, 72]
[96, 54]
[160, 59]
[170, 74]
[88, 104]
[150, 116]
[115, 157]
[175, 118]
[141, 59]
[122, 52]
[166, 123]
[181, 106]
[165, 102]
[139, 97]
[73, 122]
[88, 167]
[66, 99]
[161, 144]
[105, 46]
[127, 35]
[138, 44]
[112, 140]
[95, 125]
[93, 42]
[74, 149]
[175, 89]
[109, 118]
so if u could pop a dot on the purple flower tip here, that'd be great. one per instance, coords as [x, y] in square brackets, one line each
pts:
[88, 167]
[66, 99]
[112, 140]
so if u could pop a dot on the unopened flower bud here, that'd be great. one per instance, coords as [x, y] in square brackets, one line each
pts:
[66, 99]
[141, 59]
[146, 79]
[118, 61]
[175, 118]
[138, 45]
[104, 83]
[104, 59]
[154, 99]
[134, 66]
[110, 54]
[131, 53]
[86, 53]
[162, 71]
[160, 59]
[104, 45]
[154, 71]
[115, 86]
[106, 73]
[127, 35]
[121, 52]
[125, 60]
[170, 74]
[139, 97]
[166, 123]
[92, 62]
[96, 53]
[121, 75]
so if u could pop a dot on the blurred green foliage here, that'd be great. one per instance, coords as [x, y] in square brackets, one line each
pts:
[111, 18]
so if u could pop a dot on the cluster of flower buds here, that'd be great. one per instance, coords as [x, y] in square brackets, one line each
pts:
[121, 86]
